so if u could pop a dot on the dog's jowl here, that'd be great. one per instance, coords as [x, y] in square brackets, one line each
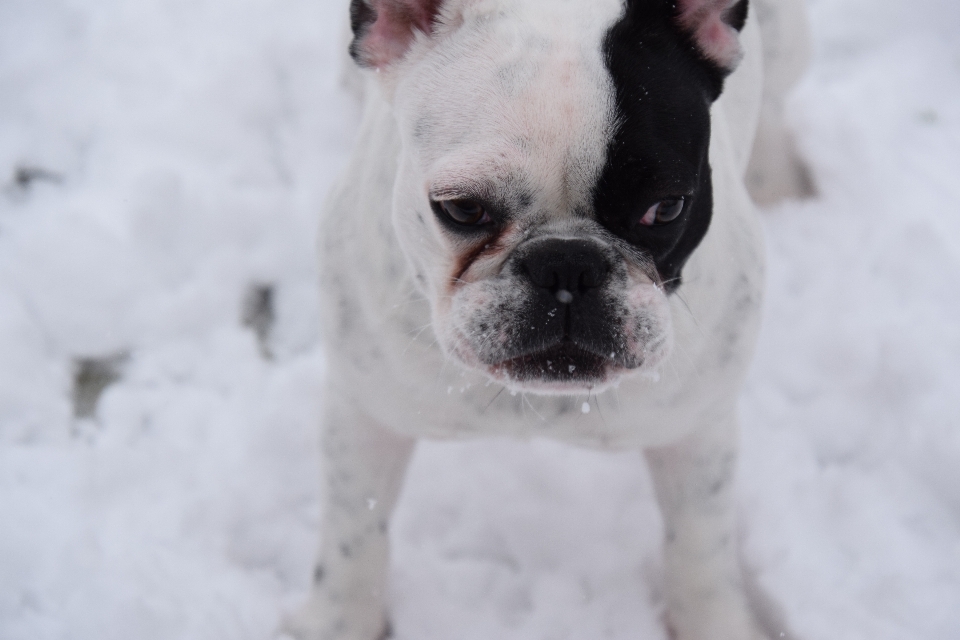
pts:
[546, 196]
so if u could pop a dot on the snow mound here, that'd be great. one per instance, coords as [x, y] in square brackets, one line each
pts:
[161, 167]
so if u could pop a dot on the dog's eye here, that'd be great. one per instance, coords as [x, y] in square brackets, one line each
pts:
[466, 212]
[663, 212]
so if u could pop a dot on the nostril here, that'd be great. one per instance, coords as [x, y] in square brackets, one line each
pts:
[591, 278]
[553, 282]
[544, 276]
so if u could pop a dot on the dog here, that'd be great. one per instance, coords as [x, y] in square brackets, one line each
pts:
[547, 197]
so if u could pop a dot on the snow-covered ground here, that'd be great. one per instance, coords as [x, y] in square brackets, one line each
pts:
[161, 166]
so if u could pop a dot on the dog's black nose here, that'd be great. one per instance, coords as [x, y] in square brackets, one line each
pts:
[566, 268]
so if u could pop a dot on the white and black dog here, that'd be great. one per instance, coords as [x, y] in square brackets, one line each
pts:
[553, 191]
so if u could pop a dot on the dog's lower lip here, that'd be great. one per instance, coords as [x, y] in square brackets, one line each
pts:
[563, 362]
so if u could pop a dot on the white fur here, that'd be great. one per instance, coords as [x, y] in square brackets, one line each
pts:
[533, 102]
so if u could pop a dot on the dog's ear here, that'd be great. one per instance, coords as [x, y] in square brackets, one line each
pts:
[714, 26]
[383, 30]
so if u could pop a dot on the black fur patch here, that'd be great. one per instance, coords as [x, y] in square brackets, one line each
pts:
[664, 88]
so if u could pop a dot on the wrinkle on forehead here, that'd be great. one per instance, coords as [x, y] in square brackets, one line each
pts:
[523, 92]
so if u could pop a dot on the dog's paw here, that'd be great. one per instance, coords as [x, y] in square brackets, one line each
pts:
[320, 620]
[749, 634]
[729, 625]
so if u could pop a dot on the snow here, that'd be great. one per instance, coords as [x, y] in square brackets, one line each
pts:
[172, 157]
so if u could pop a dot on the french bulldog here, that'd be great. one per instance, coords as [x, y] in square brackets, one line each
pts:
[546, 197]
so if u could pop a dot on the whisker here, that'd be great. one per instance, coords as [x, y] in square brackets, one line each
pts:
[596, 398]
[410, 297]
[532, 408]
[691, 361]
[690, 311]
[494, 398]
[419, 330]
[414, 339]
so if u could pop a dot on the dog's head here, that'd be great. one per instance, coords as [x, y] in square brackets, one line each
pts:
[554, 177]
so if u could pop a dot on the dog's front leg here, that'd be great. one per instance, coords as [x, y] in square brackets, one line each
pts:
[694, 485]
[363, 468]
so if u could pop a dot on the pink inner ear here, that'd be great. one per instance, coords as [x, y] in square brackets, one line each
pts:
[716, 39]
[389, 37]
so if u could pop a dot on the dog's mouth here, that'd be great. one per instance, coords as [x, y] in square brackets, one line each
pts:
[562, 367]
[537, 341]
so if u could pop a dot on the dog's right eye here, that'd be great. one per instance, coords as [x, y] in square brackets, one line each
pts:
[469, 213]
[663, 212]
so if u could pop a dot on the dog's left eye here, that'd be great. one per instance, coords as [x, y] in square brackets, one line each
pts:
[663, 212]
[466, 212]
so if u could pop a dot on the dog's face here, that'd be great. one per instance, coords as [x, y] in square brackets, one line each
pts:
[554, 172]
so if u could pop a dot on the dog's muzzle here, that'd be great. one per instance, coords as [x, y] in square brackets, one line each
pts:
[568, 333]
